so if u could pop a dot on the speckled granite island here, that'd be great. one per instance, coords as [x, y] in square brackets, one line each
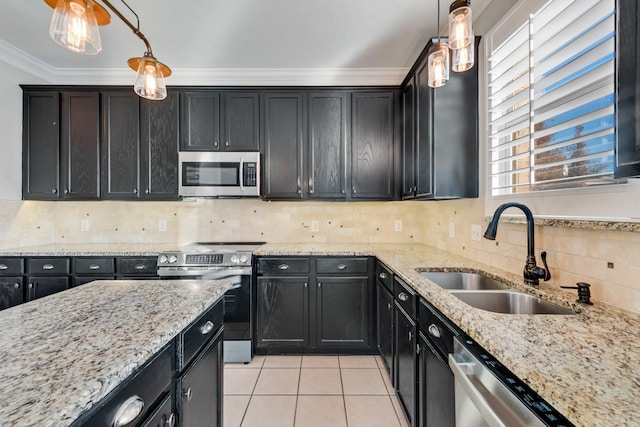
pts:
[64, 353]
[584, 365]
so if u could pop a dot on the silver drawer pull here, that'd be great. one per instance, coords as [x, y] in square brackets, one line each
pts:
[3, 267]
[342, 267]
[48, 267]
[206, 328]
[434, 330]
[283, 267]
[94, 267]
[402, 296]
[128, 411]
[171, 421]
[383, 276]
[188, 394]
[140, 267]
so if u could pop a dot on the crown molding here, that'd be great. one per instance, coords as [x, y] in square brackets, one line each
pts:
[206, 76]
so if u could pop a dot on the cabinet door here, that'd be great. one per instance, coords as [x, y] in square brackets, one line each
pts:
[327, 145]
[80, 145]
[201, 389]
[282, 312]
[121, 145]
[11, 292]
[283, 141]
[41, 146]
[423, 154]
[241, 121]
[436, 390]
[385, 326]
[160, 142]
[200, 122]
[628, 90]
[372, 145]
[342, 312]
[405, 377]
[408, 140]
[39, 287]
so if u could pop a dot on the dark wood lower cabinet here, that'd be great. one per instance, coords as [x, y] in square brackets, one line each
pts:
[436, 394]
[385, 327]
[11, 291]
[39, 287]
[406, 363]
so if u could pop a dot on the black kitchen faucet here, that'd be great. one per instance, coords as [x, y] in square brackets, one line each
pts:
[532, 273]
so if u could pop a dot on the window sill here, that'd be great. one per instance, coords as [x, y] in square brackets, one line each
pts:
[582, 224]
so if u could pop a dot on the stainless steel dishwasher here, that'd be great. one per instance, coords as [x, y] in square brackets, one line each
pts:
[488, 395]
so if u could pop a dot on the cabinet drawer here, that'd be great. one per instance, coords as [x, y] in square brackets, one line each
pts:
[139, 265]
[11, 266]
[283, 265]
[163, 416]
[405, 296]
[341, 265]
[434, 326]
[384, 276]
[150, 384]
[94, 266]
[42, 266]
[197, 335]
[81, 280]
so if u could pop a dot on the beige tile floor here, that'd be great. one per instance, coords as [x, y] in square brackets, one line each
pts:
[310, 391]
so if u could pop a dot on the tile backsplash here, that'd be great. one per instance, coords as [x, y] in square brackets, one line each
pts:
[609, 260]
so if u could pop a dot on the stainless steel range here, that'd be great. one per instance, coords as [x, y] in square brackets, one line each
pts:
[220, 260]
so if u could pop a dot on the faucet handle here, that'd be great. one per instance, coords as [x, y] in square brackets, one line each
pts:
[547, 273]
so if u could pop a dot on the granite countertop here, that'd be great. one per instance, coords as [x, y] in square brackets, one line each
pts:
[63, 353]
[584, 365]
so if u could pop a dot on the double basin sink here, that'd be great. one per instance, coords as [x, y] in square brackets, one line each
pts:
[485, 293]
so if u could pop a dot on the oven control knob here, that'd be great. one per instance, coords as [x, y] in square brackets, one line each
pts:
[243, 259]
[172, 259]
[163, 259]
[235, 259]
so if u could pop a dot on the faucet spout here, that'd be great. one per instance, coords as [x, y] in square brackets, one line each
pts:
[532, 273]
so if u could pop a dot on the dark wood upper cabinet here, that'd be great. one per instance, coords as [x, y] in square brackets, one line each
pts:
[424, 125]
[160, 141]
[372, 143]
[327, 145]
[408, 138]
[628, 90]
[120, 145]
[200, 121]
[283, 144]
[241, 121]
[80, 145]
[41, 145]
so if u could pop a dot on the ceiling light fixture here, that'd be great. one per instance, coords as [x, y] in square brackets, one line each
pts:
[74, 25]
[438, 62]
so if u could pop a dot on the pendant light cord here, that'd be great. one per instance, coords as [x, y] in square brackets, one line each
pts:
[438, 21]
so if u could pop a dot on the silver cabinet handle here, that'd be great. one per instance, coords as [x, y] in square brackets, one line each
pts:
[171, 421]
[319, 284]
[139, 267]
[353, 190]
[403, 296]
[188, 394]
[342, 267]
[16, 285]
[215, 143]
[30, 286]
[226, 143]
[383, 276]
[206, 328]
[305, 285]
[311, 185]
[135, 191]
[48, 267]
[434, 330]
[283, 267]
[389, 306]
[3, 267]
[54, 190]
[410, 336]
[128, 411]
[146, 191]
[66, 191]
[94, 267]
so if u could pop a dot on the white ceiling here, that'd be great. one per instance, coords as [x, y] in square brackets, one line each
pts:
[244, 42]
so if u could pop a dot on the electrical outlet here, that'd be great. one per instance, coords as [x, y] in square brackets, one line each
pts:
[162, 225]
[84, 225]
[475, 232]
[452, 230]
[315, 226]
[398, 225]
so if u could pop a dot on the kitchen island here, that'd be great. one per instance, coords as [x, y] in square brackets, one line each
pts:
[64, 353]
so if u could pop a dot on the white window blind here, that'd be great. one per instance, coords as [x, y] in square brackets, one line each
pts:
[551, 100]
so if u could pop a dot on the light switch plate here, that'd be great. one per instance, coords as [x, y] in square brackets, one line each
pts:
[162, 225]
[315, 226]
[84, 225]
[398, 225]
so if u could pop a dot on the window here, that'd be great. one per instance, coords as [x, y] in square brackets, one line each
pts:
[551, 100]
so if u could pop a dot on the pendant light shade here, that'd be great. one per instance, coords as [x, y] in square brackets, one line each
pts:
[438, 65]
[74, 25]
[460, 24]
[463, 59]
[150, 78]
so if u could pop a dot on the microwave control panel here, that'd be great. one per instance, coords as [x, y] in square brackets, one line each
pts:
[249, 174]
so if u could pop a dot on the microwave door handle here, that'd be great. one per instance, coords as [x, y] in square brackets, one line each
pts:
[242, 174]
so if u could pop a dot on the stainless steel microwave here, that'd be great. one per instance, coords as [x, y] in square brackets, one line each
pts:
[219, 174]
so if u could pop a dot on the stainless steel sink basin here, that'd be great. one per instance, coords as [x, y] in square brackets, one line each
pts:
[509, 302]
[461, 280]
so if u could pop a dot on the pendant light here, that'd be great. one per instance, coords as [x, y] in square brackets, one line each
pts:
[74, 25]
[463, 59]
[438, 61]
[460, 25]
